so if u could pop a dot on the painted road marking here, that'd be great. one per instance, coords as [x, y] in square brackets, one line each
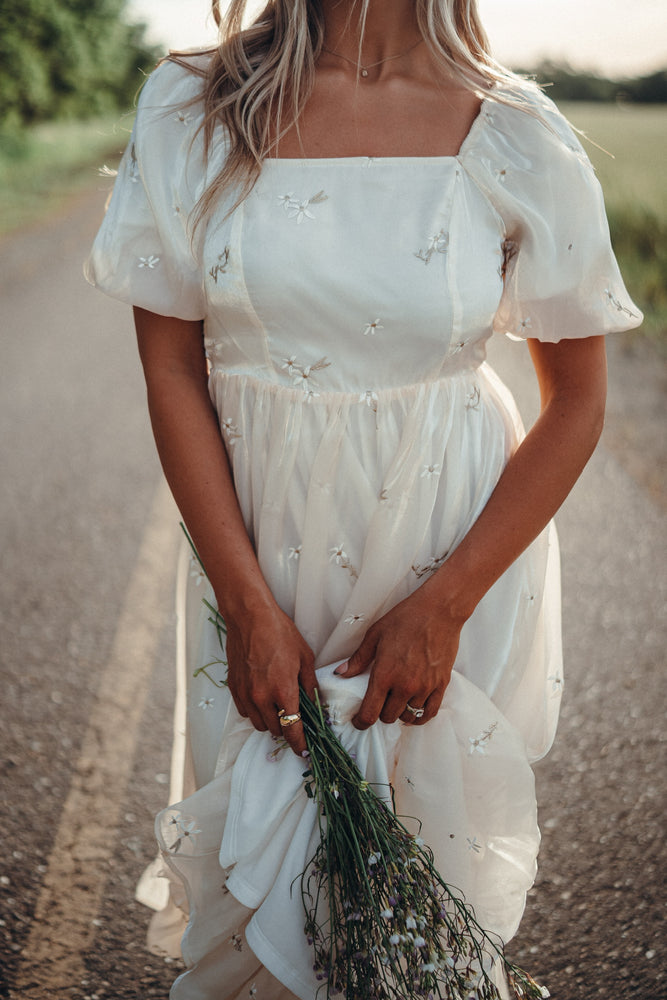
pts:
[62, 929]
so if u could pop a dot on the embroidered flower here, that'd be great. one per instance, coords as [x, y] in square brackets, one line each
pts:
[373, 327]
[294, 553]
[184, 117]
[303, 375]
[472, 399]
[616, 304]
[221, 266]
[230, 430]
[431, 566]
[430, 472]
[291, 365]
[185, 829]
[150, 262]
[478, 744]
[300, 209]
[525, 324]
[474, 845]
[338, 555]
[502, 174]
[207, 703]
[355, 619]
[370, 398]
[436, 244]
[196, 572]
[556, 683]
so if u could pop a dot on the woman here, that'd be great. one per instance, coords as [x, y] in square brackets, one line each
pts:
[319, 225]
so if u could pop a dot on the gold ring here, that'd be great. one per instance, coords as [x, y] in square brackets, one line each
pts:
[417, 712]
[288, 720]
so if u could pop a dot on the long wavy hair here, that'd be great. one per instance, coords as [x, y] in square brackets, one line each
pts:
[260, 77]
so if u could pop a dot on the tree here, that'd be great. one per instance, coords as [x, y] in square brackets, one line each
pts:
[67, 58]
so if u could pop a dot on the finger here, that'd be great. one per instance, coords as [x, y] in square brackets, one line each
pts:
[394, 707]
[431, 707]
[308, 678]
[371, 706]
[417, 702]
[361, 659]
[294, 735]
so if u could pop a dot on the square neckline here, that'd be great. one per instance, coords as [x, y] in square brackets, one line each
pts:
[475, 126]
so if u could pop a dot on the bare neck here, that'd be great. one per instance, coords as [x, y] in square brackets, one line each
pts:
[391, 27]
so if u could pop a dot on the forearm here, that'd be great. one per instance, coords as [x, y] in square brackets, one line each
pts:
[196, 466]
[534, 484]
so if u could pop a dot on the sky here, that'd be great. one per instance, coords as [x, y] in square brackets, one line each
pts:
[615, 37]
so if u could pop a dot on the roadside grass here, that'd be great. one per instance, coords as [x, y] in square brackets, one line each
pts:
[633, 180]
[41, 167]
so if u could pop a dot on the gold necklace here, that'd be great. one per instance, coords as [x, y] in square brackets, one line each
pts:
[363, 70]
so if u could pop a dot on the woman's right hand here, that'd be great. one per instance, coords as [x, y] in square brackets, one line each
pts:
[267, 657]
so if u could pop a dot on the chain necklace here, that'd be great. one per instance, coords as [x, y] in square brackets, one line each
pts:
[363, 70]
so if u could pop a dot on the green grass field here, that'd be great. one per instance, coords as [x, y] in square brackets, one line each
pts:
[42, 167]
[633, 180]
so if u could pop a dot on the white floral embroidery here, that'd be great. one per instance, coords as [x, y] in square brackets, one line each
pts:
[525, 324]
[436, 244]
[478, 744]
[230, 430]
[310, 394]
[185, 829]
[489, 117]
[614, 302]
[291, 365]
[556, 683]
[373, 327]
[221, 266]
[207, 703]
[355, 619]
[303, 374]
[370, 398]
[474, 845]
[300, 209]
[502, 174]
[472, 399]
[339, 556]
[134, 165]
[252, 992]
[430, 471]
[184, 117]
[149, 262]
[196, 572]
[431, 566]
[294, 553]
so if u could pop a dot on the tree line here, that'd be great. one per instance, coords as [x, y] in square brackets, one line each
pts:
[68, 59]
[567, 84]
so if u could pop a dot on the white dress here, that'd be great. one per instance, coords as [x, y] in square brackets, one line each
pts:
[347, 304]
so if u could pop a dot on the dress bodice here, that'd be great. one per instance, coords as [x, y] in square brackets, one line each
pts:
[354, 275]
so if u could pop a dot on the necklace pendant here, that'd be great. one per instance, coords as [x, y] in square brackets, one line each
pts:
[364, 72]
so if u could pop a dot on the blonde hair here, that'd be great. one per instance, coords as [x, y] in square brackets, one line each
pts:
[260, 77]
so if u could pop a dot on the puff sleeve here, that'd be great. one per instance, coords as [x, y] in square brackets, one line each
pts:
[561, 279]
[143, 252]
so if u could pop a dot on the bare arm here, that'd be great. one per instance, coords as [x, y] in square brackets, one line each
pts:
[265, 652]
[413, 647]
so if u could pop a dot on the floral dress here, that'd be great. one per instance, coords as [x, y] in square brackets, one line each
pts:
[347, 304]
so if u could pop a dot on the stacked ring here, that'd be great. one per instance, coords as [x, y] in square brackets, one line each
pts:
[288, 720]
[417, 712]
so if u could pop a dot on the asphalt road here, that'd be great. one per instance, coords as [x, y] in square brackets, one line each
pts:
[89, 541]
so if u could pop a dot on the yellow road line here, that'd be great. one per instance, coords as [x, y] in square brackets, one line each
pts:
[62, 929]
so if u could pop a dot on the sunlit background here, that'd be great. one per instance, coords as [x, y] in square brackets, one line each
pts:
[613, 37]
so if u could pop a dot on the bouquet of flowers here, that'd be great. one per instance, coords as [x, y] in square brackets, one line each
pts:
[383, 923]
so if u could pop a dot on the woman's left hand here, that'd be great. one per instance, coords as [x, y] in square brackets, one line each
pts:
[410, 652]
